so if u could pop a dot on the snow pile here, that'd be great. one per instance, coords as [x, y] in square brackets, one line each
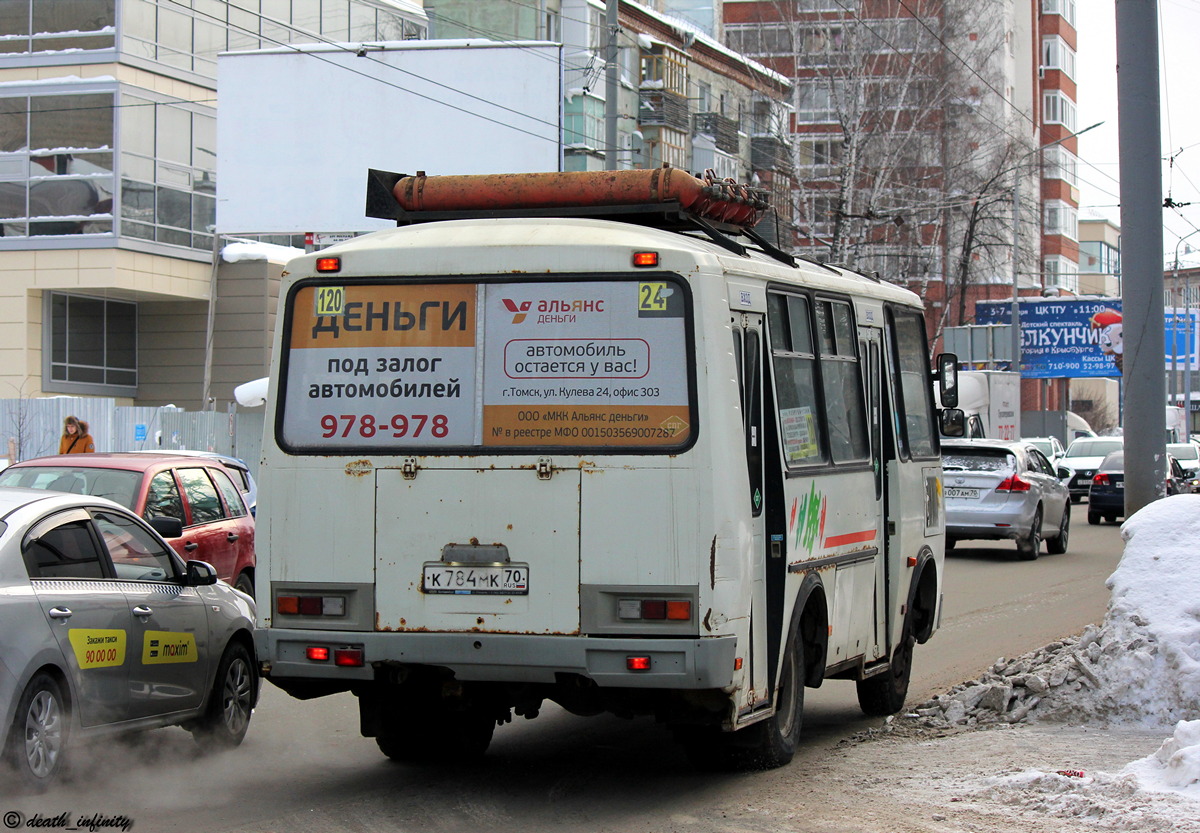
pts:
[1142, 666]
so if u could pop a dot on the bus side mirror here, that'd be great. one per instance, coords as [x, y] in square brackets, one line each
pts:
[947, 375]
[953, 422]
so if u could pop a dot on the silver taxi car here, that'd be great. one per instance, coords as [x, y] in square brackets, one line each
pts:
[103, 628]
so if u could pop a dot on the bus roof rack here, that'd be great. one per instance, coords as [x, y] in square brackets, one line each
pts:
[665, 198]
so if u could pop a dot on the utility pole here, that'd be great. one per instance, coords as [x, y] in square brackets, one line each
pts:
[610, 87]
[1143, 380]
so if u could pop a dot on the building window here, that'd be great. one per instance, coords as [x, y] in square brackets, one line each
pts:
[168, 172]
[91, 344]
[1099, 258]
[39, 26]
[1057, 55]
[817, 101]
[1058, 109]
[820, 153]
[56, 165]
[172, 34]
[1066, 8]
[1060, 163]
[1062, 273]
[1061, 218]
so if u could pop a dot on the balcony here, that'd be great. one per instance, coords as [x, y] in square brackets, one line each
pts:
[723, 130]
[770, 153]
[661, 107]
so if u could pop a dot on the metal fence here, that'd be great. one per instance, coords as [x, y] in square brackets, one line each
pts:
[32, 428]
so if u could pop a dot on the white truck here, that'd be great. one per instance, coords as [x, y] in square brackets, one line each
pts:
[991, 400]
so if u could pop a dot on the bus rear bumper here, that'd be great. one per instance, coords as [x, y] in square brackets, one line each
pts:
[673, 663]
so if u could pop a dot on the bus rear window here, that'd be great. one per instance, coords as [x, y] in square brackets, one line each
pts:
[400, 367]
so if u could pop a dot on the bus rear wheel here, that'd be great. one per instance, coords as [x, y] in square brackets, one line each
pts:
[768, 744]
[884, 694]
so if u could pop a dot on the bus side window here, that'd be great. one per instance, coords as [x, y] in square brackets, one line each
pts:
[795, 361]
[913, 385]
[844, 410]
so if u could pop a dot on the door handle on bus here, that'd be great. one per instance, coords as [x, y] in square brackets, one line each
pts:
[60, 613]
[142, 610]
[190, 545]
[231, 537]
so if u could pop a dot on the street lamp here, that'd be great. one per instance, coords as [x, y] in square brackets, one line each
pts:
[1016, 218]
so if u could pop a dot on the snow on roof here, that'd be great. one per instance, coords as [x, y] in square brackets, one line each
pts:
[245, 250]
[688, 29]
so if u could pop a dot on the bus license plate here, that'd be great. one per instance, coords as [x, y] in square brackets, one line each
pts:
[476, 579]
[952, 491]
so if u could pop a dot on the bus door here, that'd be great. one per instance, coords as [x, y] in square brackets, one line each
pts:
[748, 349]
[870, 346]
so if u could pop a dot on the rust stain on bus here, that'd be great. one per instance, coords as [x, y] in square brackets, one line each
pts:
[359, 468]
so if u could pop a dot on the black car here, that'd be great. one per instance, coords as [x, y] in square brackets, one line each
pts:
[1106, 498]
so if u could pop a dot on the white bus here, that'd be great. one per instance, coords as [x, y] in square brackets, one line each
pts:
[600, 460]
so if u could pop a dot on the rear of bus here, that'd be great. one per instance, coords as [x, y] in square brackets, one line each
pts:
[486, 481]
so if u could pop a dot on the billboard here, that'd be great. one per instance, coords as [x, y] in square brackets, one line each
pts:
[1083, 337]
[299, 126]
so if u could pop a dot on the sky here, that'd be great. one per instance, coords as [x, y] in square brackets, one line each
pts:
[1179, 58]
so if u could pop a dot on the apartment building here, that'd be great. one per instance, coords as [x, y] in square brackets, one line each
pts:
[108, 192]
[684, 98]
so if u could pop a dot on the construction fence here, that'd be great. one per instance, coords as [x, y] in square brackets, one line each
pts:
[33, 427]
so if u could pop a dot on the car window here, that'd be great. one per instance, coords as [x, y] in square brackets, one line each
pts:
[1093, 448]
[162, 498]
[234, 505]
[115, 484]
[1113, 462]
[201, 496]
[65, 551]
[135, 553]
[1184, 451]
[1040, 463]
[977, 459]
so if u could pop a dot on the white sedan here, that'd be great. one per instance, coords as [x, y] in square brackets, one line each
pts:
[103, 628]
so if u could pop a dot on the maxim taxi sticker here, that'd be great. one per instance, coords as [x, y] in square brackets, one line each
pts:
[98, 648]
[161, 647]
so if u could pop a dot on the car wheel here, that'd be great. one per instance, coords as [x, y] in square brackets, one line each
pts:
[37, 744]
[245, 583]
[884, 694]
[767, 744]
[1094, 518]
[1058, 544]
[1030, 547]
[235, 690]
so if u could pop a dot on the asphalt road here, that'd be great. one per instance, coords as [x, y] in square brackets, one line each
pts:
[304, 767]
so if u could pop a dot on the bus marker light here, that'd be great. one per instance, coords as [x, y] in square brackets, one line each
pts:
[287, 604]
[737, 663]
[679, 610]
[317, 653]
[912, 561]
[637, 663]
[348, 657]
[329, 264]
[645, 259]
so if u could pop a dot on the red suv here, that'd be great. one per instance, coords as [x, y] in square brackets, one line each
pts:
[217, 526]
